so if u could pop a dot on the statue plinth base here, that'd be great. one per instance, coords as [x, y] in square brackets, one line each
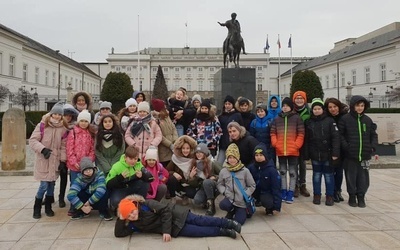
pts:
[235, 82]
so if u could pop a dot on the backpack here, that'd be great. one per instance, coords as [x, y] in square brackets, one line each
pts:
[42, 132]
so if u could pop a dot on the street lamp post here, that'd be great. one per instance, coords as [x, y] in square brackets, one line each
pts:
[35, 98]
[349, 89]
[24, 97]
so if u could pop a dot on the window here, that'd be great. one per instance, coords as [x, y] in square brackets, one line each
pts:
[212, 69]
[46, 77]
[140, 85]
[129, 68]
[176, 85]
[343, 79]
[118, 68]
[382, 71]
[367, 75]
[354, 76]
[189, 86]
[65, 82]
[25, 72]
[212, 85]
[200, 85]
[11, 69]
[188, 69]
[259, 68]
[54, 79]
[1, 63]
[36, 74]
[154, 69]
[259, 87]
[327, 81]
[334, 80]
[200, 69]
[165, 69]
[176, 69]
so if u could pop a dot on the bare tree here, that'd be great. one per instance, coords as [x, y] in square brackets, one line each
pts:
[394, 95]
[4, 92]
[24, 98]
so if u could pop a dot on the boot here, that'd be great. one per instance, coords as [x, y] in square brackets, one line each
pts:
[269, 211]
[61, 202]
[329, 200]
[232, 224]
[230, 214]
[304, 191]
[210, 207]
[36, 208]
[361, 200]
[336, 197]
[47, 206]
[227, 232]
[296, 191]
[317, 199]
[352, 200]
[340, 196]
[45, 198]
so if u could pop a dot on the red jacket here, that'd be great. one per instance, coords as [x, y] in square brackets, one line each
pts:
[80, 143]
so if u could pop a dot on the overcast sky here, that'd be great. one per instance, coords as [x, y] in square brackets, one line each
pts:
[89, 28]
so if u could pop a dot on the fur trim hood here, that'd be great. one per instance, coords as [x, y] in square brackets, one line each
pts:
[179, 144]
[243, 99]
[87, 97]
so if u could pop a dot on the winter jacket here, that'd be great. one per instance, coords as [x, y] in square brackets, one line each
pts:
[115, 180]
[154, 217]
[260, 128]
[246, 145]
[160, 176]
[322, 137]
[227, 186]
[287, 134]
[169, 136]
[144, 139]
[96, 189]
[207, 132]
[53, 137]
[189, 112]
[107, 157]
[268, 181]
[224, 119]
[80, 143]
[247, 116]
[358, 133]
[273, 112]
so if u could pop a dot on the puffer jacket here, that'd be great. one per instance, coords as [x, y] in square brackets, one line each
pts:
[80, 143]
[169, 136]
[224, 119]
[358, 133]
[287, 134]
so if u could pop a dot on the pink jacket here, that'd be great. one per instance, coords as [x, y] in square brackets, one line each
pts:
[80, 143]
[52, 138]
[144, 139]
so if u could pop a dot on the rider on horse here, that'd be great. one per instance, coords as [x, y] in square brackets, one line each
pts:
[233, 26]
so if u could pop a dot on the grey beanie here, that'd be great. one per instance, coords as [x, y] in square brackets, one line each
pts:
[58, 108]
[202, 147]
[196, 97]
[85, 163]
[105, 105]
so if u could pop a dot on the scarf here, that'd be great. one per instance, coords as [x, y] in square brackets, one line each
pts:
[89, 179]
[81, 107]
[235, 168]
[200, 169]
[183, 164]
[140, 124]
[203, 117]
[108, 135]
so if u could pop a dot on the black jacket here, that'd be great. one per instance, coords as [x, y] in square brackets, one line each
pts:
[224, 119]
[246, 145]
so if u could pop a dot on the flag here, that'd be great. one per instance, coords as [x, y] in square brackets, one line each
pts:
[186, 24]
[279, 43]
[267, 44]
[290, 43]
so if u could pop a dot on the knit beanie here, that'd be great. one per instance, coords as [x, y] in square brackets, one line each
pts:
[288, 102]
[157, 104]
[70, 110]
[233, 150]
[262, 106]
[317, 101]
[261, 148]
[206, 103]
[237, 126]
[151, 153]
[84, 164]
[202, 147]
[229, 99]
[300, 93]
[84, 115]
[196, 97]
[125, 207]
[58, 108]
[144, 106]
[105, 105]
[130, 102]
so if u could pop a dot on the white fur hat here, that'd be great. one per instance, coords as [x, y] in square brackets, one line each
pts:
[130, 102]
[144, 106]
[84, 115]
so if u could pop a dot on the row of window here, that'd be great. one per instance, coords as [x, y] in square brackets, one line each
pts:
[176, 69]
[11, 65]
[177, 84]
[354, 81]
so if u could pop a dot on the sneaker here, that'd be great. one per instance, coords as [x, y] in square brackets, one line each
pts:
[106, 216]
[79, 215]
[289, 197]
[284, 194]
[71, 212]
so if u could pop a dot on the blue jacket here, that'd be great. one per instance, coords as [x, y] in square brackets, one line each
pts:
[267, 180]
[272, 113]
[260, 128]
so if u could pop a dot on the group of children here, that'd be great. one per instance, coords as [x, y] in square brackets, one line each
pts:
[148, 157]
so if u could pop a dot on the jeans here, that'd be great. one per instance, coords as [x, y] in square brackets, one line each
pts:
[323, 168]
[240, 214]
[180, 130]
[100, 205]
[288, 163]
[202, 226]
[175, 186]
[207, 191]
[45, 187]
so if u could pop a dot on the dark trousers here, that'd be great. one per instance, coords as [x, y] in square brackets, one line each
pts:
[240, 212]
[338, 174]
[176, 186]
[357, 177]
[301, 180]
[101, 205]
[266, 199]
[138, 187]
[63, 183]
[202, 226]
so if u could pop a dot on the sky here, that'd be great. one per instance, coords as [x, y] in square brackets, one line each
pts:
[88, 29]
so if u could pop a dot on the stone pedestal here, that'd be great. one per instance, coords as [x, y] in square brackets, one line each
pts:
[235, 82]
[13, 140]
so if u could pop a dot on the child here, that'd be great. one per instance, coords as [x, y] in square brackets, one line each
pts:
[203, 176]
[128, 176]
[180, 110]
[48, 142]
[274, 107]
[82, 101]
[143, 131]
[260, 128]
[80, 143]
[127, 114]
[150, 216]
[139, 96]
[205, 128]
[287, 137]
[105, 109]
[158, 187]
[88, 191]
[109, 143]
[359, 140]
[234, 202]
[268, 181]
[179, 169]
[323, 147]
[245, 106]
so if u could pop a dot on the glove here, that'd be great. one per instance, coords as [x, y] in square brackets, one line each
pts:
[62, 168]
[46, 153]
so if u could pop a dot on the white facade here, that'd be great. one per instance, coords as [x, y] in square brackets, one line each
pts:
[372, 68]
[25, 63]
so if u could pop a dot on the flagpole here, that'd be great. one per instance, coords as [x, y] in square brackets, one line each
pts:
[186, 24]
[279, 65]
[291, 59]
[138, 54]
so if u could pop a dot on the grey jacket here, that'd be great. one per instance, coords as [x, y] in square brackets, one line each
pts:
[227, 186]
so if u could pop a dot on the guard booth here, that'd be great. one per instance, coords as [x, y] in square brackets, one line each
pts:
[50, 104]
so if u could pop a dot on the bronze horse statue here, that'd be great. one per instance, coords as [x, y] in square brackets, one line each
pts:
[233, 48]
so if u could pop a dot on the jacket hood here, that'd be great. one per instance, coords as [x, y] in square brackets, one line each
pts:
[179, 144]
[357, 98]
[239, 100]
[87, 97]
[278, 99]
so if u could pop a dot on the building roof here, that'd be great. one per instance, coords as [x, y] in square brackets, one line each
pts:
[352, 50]
[49, 52]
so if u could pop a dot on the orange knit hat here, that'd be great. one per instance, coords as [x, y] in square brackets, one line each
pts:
[300, 93]
[125, 207]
